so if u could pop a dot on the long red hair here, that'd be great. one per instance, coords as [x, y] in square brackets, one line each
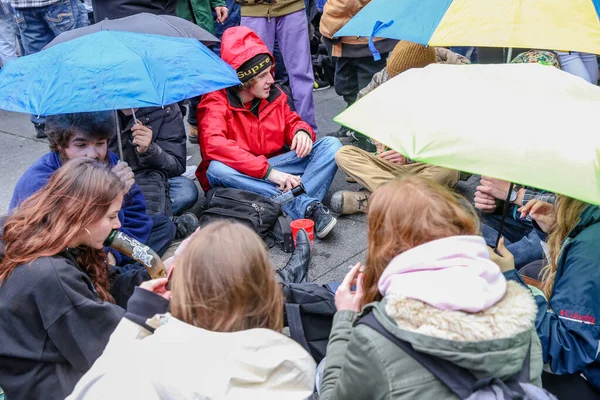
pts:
[406, 213]
[77, 195]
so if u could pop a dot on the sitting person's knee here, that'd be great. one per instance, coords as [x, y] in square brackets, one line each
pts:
[217, 168]
[344, 152]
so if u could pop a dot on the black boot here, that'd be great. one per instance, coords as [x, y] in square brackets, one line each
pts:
[296, 269]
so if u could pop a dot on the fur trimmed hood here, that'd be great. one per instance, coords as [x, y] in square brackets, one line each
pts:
[491, 342]
[513, 314]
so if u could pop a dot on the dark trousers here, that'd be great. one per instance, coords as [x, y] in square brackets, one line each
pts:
[162, 234]
[569, 387]
[233, 19]
[354, 74]
[521, 238]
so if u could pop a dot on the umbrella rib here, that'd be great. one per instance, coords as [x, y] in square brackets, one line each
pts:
[146, 65]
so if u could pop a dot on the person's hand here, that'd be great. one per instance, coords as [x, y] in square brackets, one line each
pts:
[393, 157]
[504, 259]
[125, 174]
[142, 137]
[345, 298]
[494, 187]
[379, 147]
[222, 13]
[484, 201]
[158, 286]
[111, 259]
[541, 212]
[284, 181]
[302, 143]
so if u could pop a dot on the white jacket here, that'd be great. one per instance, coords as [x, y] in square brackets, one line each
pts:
[181, 361]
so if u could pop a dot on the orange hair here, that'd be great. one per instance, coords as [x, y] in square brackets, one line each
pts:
[408, 212]
[77, 195]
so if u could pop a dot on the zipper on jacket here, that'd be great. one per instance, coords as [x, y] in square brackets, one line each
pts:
[269, 12]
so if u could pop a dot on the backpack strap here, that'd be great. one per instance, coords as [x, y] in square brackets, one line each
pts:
[295, 325]
[460, 381]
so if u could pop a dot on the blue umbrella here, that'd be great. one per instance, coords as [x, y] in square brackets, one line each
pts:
[112, 70]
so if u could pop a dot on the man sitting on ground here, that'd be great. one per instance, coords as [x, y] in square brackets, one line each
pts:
[155, 149]
[373, 170]
[250, 138]
[86, 135]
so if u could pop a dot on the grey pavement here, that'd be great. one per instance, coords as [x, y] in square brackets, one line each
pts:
[20, 149]
[345, 246]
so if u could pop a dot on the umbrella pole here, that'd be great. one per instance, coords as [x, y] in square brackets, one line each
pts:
[509, 57]
[504, 212]
[118, 136]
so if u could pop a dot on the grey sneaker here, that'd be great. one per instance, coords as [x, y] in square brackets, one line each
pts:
[324, 222]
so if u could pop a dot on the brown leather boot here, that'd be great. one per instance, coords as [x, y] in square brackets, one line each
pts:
[346, 202]
[193, 134]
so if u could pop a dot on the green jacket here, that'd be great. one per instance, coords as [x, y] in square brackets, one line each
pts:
[199, 12]
[270, 8]
[363, 364]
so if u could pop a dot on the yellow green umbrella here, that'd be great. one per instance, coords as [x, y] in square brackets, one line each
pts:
[526, 123]
[543, 24]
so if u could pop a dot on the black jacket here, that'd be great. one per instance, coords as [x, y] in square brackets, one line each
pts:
[165, 158]
[53, 326]
[113, 9]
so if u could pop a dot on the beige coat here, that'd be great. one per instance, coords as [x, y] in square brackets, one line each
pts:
[181, 361]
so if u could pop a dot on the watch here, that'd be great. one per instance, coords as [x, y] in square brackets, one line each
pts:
[514, 193]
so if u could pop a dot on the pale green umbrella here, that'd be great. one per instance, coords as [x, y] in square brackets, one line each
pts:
[456, 116]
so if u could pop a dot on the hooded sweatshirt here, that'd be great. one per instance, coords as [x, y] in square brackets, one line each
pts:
[236, 136]
[182, 361]
[53, 326]
[491, 341]
[133, 218]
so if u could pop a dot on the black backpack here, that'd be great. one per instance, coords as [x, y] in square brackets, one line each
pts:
[309, 311]
[256, 211]
[460, 381]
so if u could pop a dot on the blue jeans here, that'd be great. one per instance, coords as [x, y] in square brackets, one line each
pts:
[469, 52]
[40, 25]
[9, 34]
[583, 65]
[317, 171]
[183, 193]
[520, 237]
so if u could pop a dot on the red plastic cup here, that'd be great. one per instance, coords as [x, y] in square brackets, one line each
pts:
[308, 225]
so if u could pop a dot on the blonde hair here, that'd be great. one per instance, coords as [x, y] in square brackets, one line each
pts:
[406, 213]
[224, 281]
[568, 214]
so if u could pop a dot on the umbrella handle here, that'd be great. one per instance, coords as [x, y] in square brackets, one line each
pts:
[504, 212]
[118, 136]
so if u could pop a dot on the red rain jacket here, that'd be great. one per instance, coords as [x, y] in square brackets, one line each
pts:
[232, 134]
